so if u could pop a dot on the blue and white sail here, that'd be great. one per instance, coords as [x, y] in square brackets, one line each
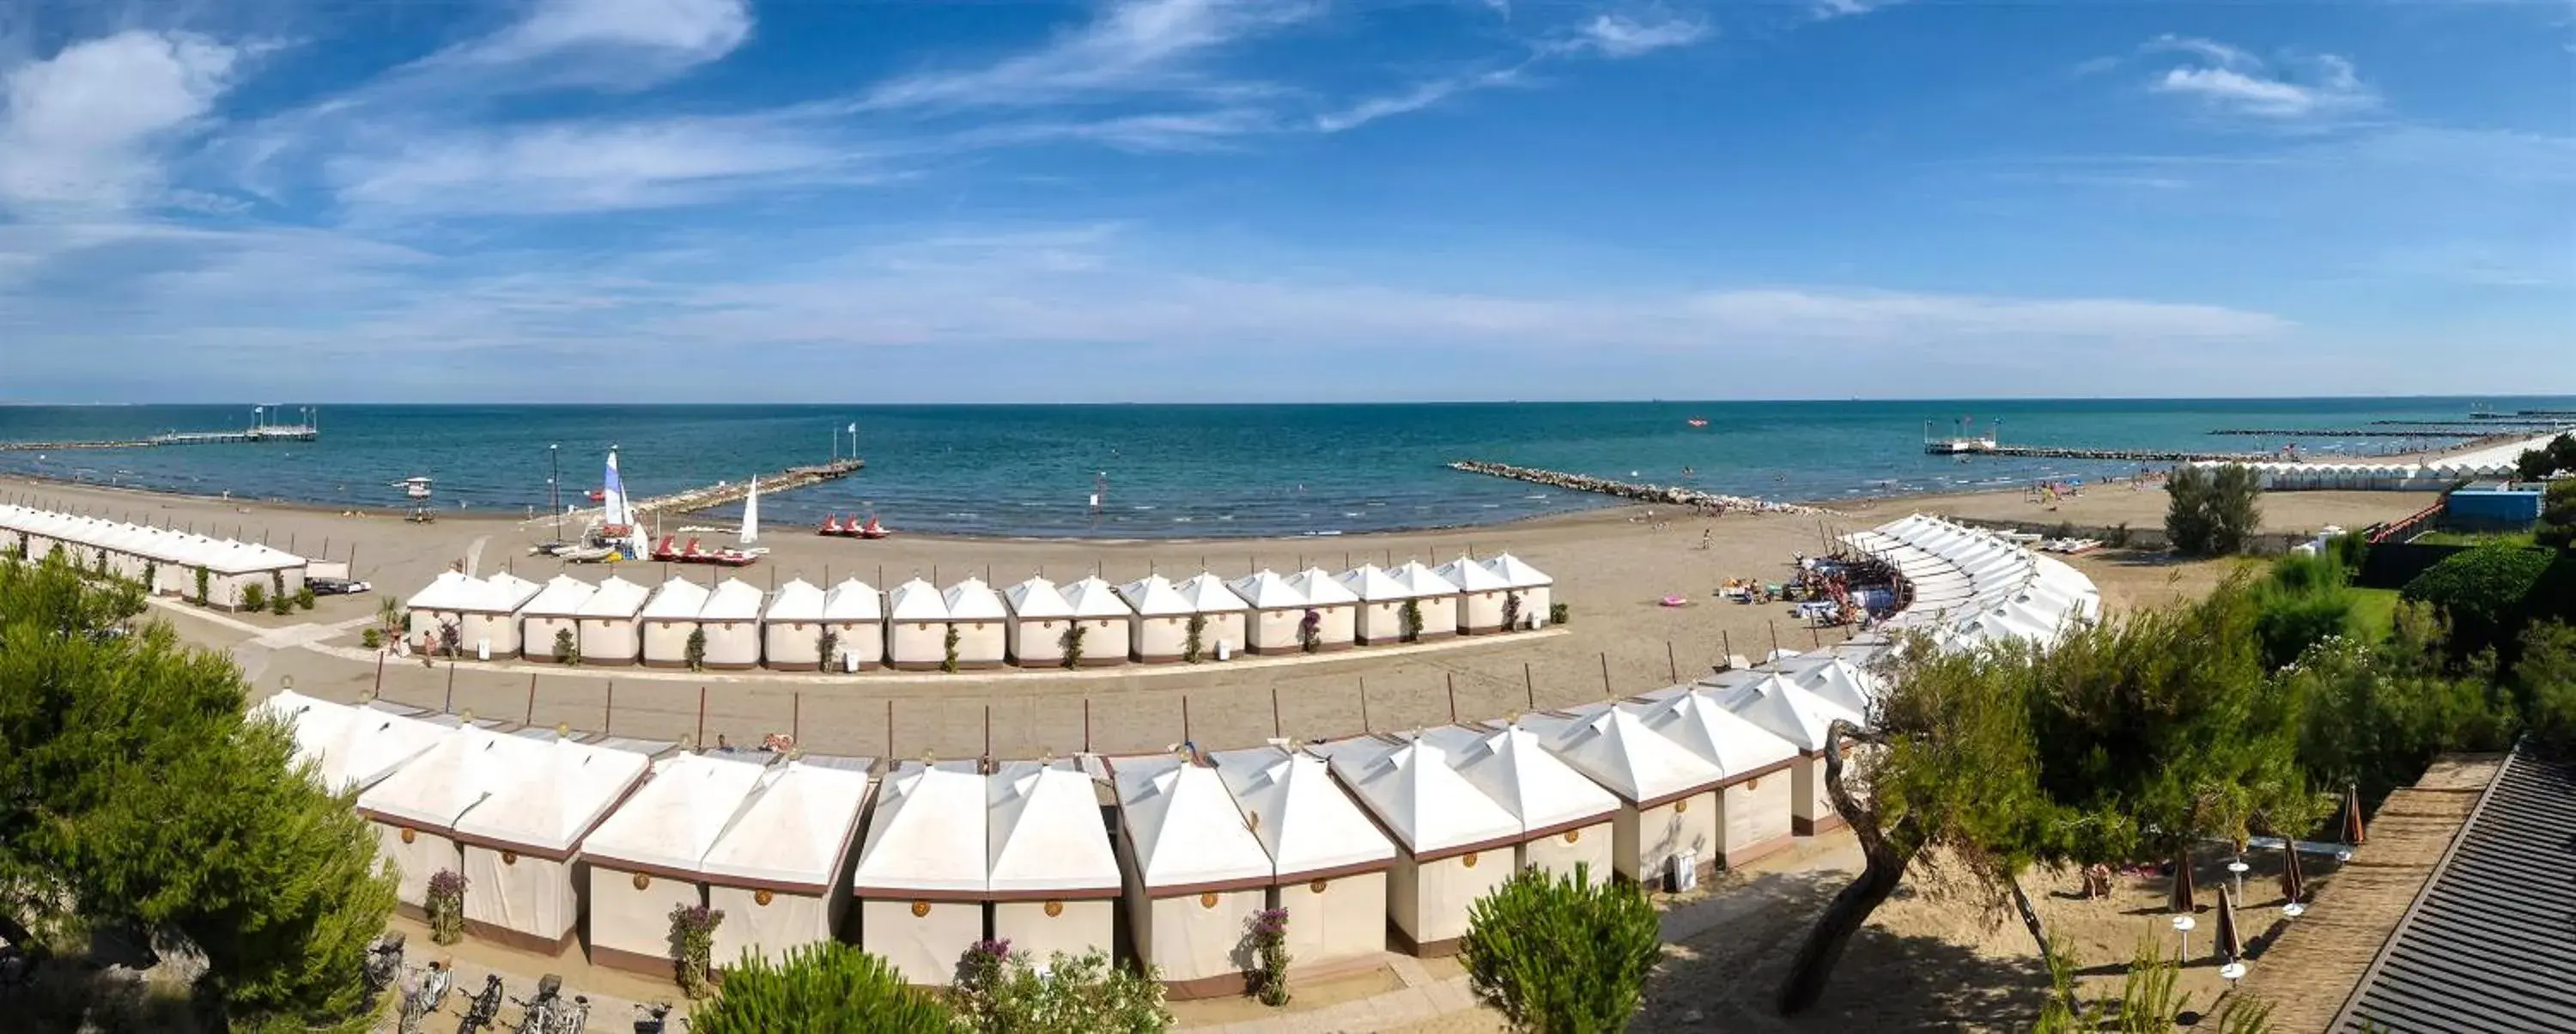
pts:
[618, 509]
[751, 514]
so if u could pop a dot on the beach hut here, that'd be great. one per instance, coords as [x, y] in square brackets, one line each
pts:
[981, 621]
[731, 620]
[443, 602]
[1332, 612]
[1053, 879]
[916, 627]
[1328, 861]
[1753, 800]
[1277, 611]
[1040, 622]
[491, 621]
[1380, 617]
[414, 811]
[668, 621]
[647, 858]
[611, 631]
[1779, 707]
[791, 630]
[776, 871]
[1665, 832]
[520, 843]
[1531, 590]
[1566, 820]
[1195, 874]
[920, 878]
[550, 625]
[351, 748]
[1435, 598]
[1102, 621]
[233, 566]
[855, 615]
[1455, 844]
[1483, 596]
[1160, 632]
[1218, 612]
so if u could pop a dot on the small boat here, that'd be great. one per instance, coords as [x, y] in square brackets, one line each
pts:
[832, 526]
[664, 551]
[692, 551]
[586, 554]
[1697, 421]
[598, 495]
[872, 529]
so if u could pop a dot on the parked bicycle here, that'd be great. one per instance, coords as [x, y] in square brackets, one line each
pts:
[423, 996]
[549, 1013]
[485, 1012]
[657, 1017]
[384, 963]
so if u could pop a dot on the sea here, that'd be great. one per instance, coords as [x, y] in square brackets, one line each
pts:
[1173, 471]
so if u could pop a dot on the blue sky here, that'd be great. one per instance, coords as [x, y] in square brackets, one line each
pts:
[1153, 200]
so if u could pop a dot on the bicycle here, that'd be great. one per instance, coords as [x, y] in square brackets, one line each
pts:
[384, 963]
[547, 1013]
[423, 997]
[485, 1013]
[656, 1018]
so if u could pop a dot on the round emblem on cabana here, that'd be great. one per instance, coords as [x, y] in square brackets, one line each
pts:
[1753, 784]
[1207, 900]
[642, 881]
[509, 857]
[407, 834]
[761, 897]
[1319, 885]
[920, 909]
[1573, 835]
[1681, 806]
[1054, 909]
[1470, 860]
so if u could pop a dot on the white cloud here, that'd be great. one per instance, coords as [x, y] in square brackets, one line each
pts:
[1421, 95]
[87, 127]
[2230, 80]
[1825, 9]
[573, 167]
[1134, 46]
[2212, 51]
[1619, 36]
[603, 42]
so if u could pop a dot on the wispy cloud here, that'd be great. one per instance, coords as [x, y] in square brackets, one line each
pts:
[89, 126]
[1621, 36]
[1134, 46]
[588, 166]
[1847, 8]
[1419, 96]
[1604, 36]
[624, 43]
[2229, 80]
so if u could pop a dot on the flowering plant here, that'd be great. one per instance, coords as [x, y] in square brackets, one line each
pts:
[446, 906]
[1270, 956]
[693, 935]
[1310, 631]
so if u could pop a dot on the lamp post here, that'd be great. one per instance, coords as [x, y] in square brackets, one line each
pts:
[554, 485]
[2182, 925]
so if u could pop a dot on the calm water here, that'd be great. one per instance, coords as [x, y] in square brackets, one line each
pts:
[1173, 471]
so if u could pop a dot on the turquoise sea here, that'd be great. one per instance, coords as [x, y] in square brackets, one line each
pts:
[1172, 471]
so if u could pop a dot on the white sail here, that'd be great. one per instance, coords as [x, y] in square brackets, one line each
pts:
[617, 510]
[751, 513]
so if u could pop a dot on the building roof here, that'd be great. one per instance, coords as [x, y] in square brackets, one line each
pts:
[1320, 588]
[797, 826]
[1422, 801]
[1093, 598]
[734, 600]
[1371, 583]
[1716, 735]
[1422, 581]
[677, 600]
[351, 747]
[1471, 576]
[1037, 598]
[1517, 573]
[927, 832]
[1787, 711]
[916, 600]
[1154, 597]
[1300, 816]
[853, 600]
[972, 600]
[1044, 832]
[676, 816]
[1266, 590]
[2488, 945]
[798, 600]
[1611, 745]
[1208, 594]
[451, 590]
[552, 792]
[616, 598]
[1182, 825]
[1508, 764]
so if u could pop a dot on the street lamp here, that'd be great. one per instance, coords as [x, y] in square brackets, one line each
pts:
[554, 485]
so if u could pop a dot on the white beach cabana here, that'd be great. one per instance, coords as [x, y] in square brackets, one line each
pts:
[1756, 788]
[1052, 877]
[550, 623]
[1437, 599]
[916, 626]
[522, 841]
[1220, 613]
[1566, 819]
[776, 870]
[1779, 707]
[1332, 609]
[1328, 860]
[855, 614]
[1195, 874]
[979, 617]
[647, 858]
[1040, 620]
[351, 748]
[491, 625]
[668, 620]
[611, 632]
[1105, 620]
[1455, 844]
[731, 620]
[1483, 596]
[444, 601]
[920, 878]
[1380, 614]
[1667, 797]
[1532, 588]
[415, 810]
[1160, 631]
[791, 630]
[1276, 611]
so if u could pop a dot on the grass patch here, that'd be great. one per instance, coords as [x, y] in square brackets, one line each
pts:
[2473, 538]
[2374, 613]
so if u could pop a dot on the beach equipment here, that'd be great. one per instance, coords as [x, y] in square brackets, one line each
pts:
[976, 612]
[1665, 832]
[1455, 844]
[1040, 619]
[1481, 595]
[1160, 631]
[1566, 819]
[1221, 615]
[1276, 610]
[1328, 860]
[668, 620]
[1195, 874]
[920, 878]
[1332, 611]
[1106, 621]
[554, 610]
[1052, 879]
[611, 630]
[731, 620]
[791, 630]
[1435, 598]
[647, 857]
[775, 870]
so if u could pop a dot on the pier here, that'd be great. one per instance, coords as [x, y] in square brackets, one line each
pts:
[2122, 455]
[1644, 493]
[713, 496]
[2312, 432]
[255, 433]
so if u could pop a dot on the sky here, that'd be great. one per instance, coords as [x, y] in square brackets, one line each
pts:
[1283, 200]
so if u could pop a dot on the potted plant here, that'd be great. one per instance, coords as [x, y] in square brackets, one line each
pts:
[446, 906]
[693, 937]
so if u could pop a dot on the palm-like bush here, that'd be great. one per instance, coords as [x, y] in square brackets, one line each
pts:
[1562, 954]
[822, 988]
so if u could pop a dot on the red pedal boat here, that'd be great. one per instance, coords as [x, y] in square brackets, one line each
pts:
[872, 529]
[832, 526]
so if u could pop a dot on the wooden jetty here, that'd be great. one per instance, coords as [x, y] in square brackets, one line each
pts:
[2315, 432]
[259, 433]
[1644, 493]
[713, 496]
[2123, 455]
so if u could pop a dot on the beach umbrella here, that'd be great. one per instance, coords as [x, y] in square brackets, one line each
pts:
[2182, 896]
[2225, 942]
[2353, 831]
[2294, 884]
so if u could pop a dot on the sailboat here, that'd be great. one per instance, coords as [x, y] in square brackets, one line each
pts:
[750, 534]
[617, 517]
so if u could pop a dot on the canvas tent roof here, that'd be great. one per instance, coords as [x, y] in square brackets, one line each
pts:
[732, 601]
[916, 600]
[1266, 590]
[1302, 818]
[1470, 576]
[451, 590]
[798, 600]
[1045, 832]
[616, 598]
[1712, 733]
[1786, 711]
[1425, 804]
[796, 826]
[1182, 825]
[1037, 598]
[1094, 598]
[1208, 594]
[1371, 583]
[1153, 596]
[1510, 767]
[560, 790]
[677, 599]
[1516, 573]
[927, 833]
[1610, 744]
[561, 598]
[673, 820]
[972, 600]
[1421, 581]
[464, 767]
[1321, 589]
[853, 600]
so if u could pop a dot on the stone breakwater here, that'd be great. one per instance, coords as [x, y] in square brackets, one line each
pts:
[1645, 493]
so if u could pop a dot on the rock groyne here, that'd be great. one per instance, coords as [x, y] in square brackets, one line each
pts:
[1673, 495]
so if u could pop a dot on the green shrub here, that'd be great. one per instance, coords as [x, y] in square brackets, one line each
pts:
[2559, 454]
[1557, 613]
[372, 638]
[1191, 648]
[822, 988]
[281, 604]
[202, 579]
[1071, 643]
[2557, 527]
[999, 992]
[567, 647]
[948, 662]
[2481, 593]
[1408, 621]
[254, 597]
[695, 653]
[2545, 679]
[827, 649]
[1562, 953]
[2212, 511]
[304, 597]
[2303, 600]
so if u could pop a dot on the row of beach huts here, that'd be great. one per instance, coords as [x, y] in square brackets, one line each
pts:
[1035, 623]
[1370, 843]
[165, 561]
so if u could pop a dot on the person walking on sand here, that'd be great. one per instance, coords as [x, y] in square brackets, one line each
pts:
[1707, 538]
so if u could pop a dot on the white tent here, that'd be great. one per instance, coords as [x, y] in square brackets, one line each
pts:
[731, 620]
[776, 870]
[1566, 819]
[1381, 604]
[351, 748]
[1332, 610]
[553, 619]
[1328, 859]
[668, 621]
[1753, 803]
[1039, 620]
[1532, 586]
[520, 842]
[415, 809]
[1221, 614]
[648, 857]
[1482, 595]
[1836, 679]
[1161, 629]
[1105, 620]
[1436, 598]
[1783, 709]
[443, 601]
[1457, 844]
[976, 612]
[916, 626]
[1667, 797]
[491, 625]
[1195, 875]
[610, 630]
[920, 878]
[855, 614]
[1053, 878]
[1276, 610]
[791, 630]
